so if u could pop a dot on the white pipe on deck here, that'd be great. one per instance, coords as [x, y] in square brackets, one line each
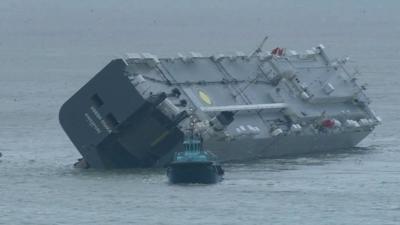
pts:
[243, 107]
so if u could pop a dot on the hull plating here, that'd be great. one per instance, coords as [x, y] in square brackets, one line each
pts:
[247, 149]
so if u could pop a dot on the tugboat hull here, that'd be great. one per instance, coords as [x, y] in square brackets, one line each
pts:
[194, 172]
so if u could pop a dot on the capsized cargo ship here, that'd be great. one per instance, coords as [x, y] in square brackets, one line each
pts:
[266, 104]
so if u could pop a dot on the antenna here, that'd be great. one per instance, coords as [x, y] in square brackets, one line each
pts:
[259, 48]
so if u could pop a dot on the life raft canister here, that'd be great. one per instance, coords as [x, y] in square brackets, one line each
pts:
[328, 123]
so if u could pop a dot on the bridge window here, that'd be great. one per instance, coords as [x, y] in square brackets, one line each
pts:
[97, 100]
[111, 120]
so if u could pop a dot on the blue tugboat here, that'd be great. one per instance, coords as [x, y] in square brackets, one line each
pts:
[194, 164]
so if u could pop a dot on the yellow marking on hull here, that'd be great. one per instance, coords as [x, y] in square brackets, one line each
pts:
[205, 98]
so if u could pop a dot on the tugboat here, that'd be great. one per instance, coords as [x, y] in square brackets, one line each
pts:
[194, 164]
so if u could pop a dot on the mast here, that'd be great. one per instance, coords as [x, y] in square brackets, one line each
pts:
[260, 46]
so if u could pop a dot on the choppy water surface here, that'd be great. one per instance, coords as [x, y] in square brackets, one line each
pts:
[49, 49]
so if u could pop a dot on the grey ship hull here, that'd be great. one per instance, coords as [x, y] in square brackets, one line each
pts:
[286, 146]
[133, 113]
